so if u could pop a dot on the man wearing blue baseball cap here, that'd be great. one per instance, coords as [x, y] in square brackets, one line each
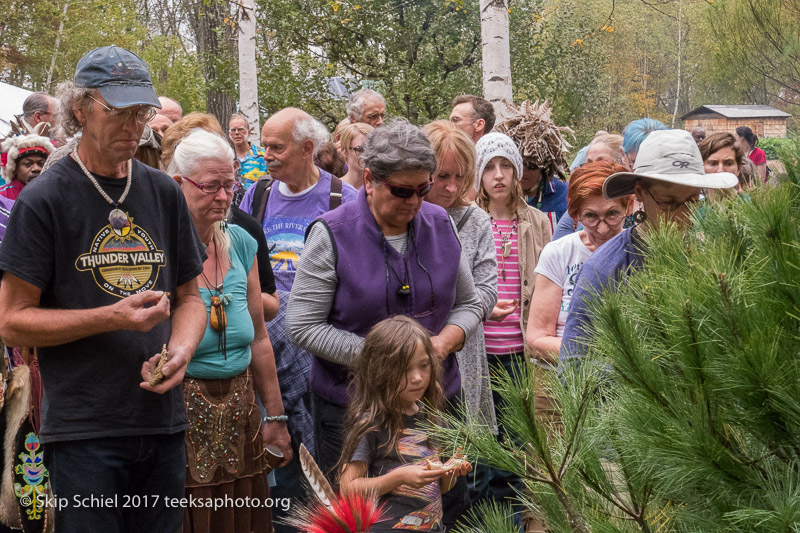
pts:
[99, 267]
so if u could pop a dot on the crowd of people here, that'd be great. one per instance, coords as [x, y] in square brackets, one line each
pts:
[186, 311]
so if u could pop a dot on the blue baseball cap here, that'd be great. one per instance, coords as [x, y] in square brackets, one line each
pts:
[121, 77]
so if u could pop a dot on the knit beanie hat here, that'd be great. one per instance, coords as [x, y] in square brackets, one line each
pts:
[494, 145]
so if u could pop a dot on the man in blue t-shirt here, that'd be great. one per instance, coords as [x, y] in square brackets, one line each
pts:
[300, 193]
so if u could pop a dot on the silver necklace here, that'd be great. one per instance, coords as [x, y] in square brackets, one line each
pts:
[117, 218]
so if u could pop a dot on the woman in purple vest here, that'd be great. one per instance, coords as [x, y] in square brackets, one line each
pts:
[386, 254]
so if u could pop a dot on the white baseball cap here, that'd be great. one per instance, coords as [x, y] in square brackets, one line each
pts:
[670, 156]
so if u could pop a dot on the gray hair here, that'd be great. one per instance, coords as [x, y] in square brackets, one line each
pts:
[355, 106]
[35, 102]
[69, 96]
[310, 128]
[398, 146]
[198, 146]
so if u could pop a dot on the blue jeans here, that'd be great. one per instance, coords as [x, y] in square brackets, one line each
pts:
[486, 482]
[118, 484]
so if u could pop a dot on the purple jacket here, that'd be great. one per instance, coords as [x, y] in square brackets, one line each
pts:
[368, 269]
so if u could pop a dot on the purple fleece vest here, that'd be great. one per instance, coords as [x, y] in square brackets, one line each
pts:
[363, 297]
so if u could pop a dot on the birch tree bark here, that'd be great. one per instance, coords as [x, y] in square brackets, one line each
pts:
[248, 78]
[56, 47]
[496, 61]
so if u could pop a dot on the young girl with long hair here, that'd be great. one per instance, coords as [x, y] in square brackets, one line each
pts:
[386, 451]
[520, 233]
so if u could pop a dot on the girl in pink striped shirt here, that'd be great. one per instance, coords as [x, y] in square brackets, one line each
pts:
[520, 233]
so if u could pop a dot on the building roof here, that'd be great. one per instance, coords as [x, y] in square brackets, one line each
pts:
[738, 111]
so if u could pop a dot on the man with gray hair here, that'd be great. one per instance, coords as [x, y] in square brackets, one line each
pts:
[37, 108]
[103, 297]
[295, 194]
[367, 106]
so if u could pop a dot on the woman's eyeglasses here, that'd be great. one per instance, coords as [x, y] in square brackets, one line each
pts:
[213, 188]
[612, 218]
[143, 114]
[404, 191]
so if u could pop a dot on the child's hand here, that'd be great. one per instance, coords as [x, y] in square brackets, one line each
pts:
[463, 470]
[417, 476]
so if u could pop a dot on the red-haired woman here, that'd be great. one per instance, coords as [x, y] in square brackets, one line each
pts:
[561, 260]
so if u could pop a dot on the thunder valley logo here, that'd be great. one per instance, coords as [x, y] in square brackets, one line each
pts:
[123, 262]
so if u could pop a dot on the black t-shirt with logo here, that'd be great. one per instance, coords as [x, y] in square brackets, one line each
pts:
[59, 239]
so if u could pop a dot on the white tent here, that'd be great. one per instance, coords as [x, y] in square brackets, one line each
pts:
[11, 99]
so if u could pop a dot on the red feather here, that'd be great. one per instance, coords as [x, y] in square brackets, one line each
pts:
[353, 513]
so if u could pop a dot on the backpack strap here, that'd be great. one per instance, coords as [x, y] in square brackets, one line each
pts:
[260, 197]
[336, 193]
[464, 219]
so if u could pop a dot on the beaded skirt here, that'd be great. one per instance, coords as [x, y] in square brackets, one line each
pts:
[223, 442]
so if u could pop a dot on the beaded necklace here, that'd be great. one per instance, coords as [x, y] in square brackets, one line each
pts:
[117, 218]
[505, 242]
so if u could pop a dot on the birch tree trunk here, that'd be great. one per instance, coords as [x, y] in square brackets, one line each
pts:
[680, 50]
[496, 55]
[56, 47]
[248, 79]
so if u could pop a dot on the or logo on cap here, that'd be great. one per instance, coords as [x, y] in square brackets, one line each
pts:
[681, 164]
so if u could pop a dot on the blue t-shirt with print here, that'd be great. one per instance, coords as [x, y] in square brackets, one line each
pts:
[285, 221]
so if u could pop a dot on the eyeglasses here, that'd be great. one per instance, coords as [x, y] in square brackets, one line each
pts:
[237, 130]
[143, 115]
[612, 218]
[672, 206]
[376, 116]
[404, 191]
[213, 188]
[358, 149]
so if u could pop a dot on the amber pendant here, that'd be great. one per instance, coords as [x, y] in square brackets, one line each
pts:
[218, 318]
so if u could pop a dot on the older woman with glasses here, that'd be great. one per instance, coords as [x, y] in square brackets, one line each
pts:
[561, 260]
[386, 254]
[226, 439]
[667, 178]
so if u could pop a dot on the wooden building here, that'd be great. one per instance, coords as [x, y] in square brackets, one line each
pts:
[765, 121]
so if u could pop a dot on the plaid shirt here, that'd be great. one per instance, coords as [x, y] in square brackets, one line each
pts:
[293, 365]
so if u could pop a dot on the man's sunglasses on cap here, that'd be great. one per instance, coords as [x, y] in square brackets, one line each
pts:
[404, 191]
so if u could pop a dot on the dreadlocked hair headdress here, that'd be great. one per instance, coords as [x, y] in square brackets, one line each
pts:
[532, 128]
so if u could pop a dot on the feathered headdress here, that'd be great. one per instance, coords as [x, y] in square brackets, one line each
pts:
[329, 513]
[539, 140]
[18, 146]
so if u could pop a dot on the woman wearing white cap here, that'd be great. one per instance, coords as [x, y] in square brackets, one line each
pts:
[520, 232]
[667, 178]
